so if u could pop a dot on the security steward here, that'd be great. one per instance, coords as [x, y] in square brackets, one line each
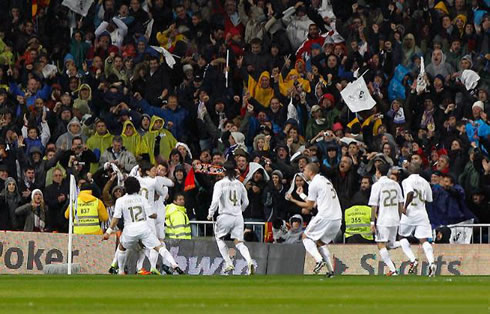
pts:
[358, 224]
[90, 212]
[177, 224]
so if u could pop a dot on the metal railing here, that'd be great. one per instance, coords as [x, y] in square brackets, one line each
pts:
[478, 227]
[203, 228]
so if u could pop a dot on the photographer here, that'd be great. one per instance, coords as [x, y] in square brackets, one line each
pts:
[78, 158]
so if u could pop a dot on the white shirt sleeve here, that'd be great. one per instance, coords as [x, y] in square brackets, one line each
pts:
[428, 194]
[374, 197]
[159, 188]
[312, 193]
[102, 27]
[216, 198]
[117, 210]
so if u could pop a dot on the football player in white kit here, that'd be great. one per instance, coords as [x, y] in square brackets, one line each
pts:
[386, 201]
[415, 220]
[153, 186]
[230, 198]
[135, 209]
[323, 228]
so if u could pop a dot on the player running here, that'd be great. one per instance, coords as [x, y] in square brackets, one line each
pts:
[230, 196]
[323, 228]
[135, 209]
[415, 220]
[386, 203]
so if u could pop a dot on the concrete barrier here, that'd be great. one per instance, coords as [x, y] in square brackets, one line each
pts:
[451, 259]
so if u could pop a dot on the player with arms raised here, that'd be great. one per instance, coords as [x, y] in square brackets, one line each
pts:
[135, 209]
[386, 201]
[415, 220]
[323, 228]
[230, 198]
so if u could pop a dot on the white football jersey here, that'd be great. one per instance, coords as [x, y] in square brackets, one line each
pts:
[133, 208]
[230, 197]
[422, 193]
[150, 186]
[321, 191]
[386, 194]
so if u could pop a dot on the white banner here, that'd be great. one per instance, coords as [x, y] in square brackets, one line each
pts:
[357, 97]
[78, 6]
[462, 235]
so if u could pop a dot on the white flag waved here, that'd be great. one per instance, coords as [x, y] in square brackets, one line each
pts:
[167, 55]
[357, 97]
[421, 83]
[78, 6]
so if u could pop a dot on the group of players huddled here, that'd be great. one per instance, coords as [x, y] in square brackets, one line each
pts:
[393, 212]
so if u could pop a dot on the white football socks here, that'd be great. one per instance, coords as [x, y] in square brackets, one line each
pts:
[121, 260]
[167, 256]
[311, 248]
[114, 260]
[387, 259]
[244, 251]
[326, 256]
[153, 259]
[407, 250]
[223, 249]
[141, 259]
[429, 252]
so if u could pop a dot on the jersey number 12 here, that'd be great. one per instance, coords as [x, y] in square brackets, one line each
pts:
[136, 213]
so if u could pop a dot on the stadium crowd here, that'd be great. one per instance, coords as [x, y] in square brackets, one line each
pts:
[257, 81]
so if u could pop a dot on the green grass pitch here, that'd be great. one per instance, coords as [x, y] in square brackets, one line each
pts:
[242, 294]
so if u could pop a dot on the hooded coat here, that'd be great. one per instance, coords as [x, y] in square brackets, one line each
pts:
[285, 84]
[35, 216]
[8, 203]
[99, 144]
[261, 95]
[64, 141]
[133, 143]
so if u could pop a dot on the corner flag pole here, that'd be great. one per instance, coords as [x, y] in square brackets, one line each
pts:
[70, 227]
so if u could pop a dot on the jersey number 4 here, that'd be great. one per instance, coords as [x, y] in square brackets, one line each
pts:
[232, 197]
[136, 213]
[390, 198]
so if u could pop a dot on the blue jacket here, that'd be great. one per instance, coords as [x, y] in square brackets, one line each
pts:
[43, 93]
[448, 207]
[177, 117]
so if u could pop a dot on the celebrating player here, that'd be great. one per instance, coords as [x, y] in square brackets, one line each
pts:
[152, 186]
[230, 196]
[135, 209]
[386, 203]
[415, 220]
[323, 228]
